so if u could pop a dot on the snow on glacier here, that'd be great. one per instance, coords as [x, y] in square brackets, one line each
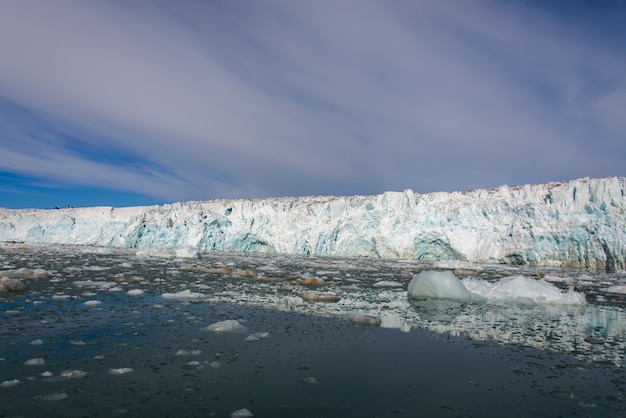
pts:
[576, 224]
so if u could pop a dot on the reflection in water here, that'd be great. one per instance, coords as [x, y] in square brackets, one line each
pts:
[595, 333]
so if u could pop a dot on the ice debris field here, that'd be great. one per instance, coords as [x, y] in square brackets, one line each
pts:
[271, 307]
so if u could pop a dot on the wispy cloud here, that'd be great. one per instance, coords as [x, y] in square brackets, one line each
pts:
[199, 100]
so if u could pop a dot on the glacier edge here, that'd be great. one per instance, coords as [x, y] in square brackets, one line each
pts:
[577, 224]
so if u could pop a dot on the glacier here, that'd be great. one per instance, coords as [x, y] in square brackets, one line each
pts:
[579, 224]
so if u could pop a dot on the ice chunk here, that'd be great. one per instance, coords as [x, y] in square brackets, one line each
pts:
[257, 336]
[387, 283]
[187, 253]
[34, 362]
[229, 325]
[11, 285]
[135, 292]
[521, 289]
[616, 289]
[184, 294]
[188, 353]
[55, 396]
[437, 284]
[241, 413]
[364, 320]
[73, 374]
[121, 370]
[25, 273]
[95, 283]
[9, 383]
[92, 303]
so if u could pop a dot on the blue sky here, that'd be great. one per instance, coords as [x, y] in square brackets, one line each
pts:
[126, 103]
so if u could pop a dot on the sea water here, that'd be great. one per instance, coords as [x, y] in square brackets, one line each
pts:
[133, 333]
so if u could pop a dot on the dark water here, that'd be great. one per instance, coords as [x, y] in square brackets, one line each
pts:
[313, 364]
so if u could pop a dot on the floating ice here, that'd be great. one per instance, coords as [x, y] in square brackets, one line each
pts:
[387, 283]
[616, 289]
[521, 289]
[241, 413]
[257, 336]
[11, 285]
[364, 320]
[36, 342]
[320, 297]
[517, 289]
[135, 292]
[25, 273]
[34, 362]
[229, 325]
[184, 294]
[188, 353]
[121, 370]
[92, 303]
[9, 383]
[437, 284]
[55, 396]
[187, 252]
[95, 283]
[73, 374]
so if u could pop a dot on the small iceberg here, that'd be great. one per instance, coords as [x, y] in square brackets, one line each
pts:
[229, 325]
[515, 289]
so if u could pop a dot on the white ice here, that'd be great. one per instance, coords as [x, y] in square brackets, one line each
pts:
[580, 224]
[516, 289]
[229, 325]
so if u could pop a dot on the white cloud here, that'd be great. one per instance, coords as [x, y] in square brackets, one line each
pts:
[224, 100]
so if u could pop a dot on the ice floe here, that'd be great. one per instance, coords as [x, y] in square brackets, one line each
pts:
[34, 362]
[241, 413]
[10, 383]
[121, 370]
[184, 294]
[514, 289]
[229, 325]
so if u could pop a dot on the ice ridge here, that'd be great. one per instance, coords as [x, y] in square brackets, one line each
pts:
[576, 224]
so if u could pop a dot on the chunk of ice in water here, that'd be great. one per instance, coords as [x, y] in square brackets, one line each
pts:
[229, 325]
[92, 303]
[515, 289]
[73, 374]
[387, 283]
[257, 336]
[34, 362]
[121, 370]
[184, 294]
[363, 319]
[55, 396]
[135, 292]
[241, 413]
[616, 289]
[437, 284]
[9, 383]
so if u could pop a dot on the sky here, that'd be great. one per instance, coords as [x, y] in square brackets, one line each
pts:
[125, 103]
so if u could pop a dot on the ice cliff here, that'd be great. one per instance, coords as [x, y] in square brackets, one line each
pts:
[576, 224]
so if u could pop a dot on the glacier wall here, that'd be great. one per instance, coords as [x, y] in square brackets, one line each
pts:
[576, 224]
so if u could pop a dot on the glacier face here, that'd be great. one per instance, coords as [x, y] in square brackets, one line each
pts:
[576, 224]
